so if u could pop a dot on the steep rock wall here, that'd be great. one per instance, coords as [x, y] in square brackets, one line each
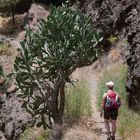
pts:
[122, 18]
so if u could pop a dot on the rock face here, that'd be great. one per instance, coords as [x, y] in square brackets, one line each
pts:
[13, 119]
[122, 18]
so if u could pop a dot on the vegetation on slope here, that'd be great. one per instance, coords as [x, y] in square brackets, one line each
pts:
[128, 120]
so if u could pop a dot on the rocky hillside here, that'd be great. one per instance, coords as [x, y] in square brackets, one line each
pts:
[14, 119]
[121, 18]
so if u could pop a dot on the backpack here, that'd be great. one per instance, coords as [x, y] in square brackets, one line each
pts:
[112, 100]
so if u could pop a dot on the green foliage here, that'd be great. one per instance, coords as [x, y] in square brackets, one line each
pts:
[77, 102]
[117, 73]
[63, 42]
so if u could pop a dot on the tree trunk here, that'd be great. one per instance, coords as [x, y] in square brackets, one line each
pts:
[56, 132]
[13, 18]
[62, 99]
[54, 108]
[13, 15]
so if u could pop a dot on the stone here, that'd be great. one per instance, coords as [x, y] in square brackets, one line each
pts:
[14, 119]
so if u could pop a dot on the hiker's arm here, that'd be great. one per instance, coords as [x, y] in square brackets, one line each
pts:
[102, 105]
[119, 99]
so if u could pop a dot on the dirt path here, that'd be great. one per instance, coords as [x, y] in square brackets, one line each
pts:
[91, 76]
[92, 82]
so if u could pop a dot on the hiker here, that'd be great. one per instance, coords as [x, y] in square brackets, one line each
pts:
[110, 104]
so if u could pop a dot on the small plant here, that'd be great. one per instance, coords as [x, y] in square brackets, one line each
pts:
[112, 39]
[125, 41]
[4, 48]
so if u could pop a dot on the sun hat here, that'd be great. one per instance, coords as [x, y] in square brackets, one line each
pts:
[110, 84]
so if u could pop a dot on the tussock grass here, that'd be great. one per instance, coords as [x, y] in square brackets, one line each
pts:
[77, 103]
[128, 120]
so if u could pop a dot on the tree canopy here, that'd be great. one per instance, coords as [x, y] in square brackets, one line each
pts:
[6, 6]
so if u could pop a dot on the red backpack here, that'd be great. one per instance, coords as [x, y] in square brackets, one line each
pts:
[112, 100]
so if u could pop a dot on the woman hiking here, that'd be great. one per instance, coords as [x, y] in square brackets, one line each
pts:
[110, 105]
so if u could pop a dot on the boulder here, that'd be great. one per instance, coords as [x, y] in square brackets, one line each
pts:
[13, 118]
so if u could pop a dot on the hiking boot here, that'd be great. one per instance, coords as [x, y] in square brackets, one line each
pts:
[113, 138]
[108, 135]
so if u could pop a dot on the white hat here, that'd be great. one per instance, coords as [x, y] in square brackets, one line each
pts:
[110, 84]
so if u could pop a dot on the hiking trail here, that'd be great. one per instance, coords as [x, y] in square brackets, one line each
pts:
[91, 76]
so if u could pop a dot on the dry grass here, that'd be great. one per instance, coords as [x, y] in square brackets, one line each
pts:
[77, 103]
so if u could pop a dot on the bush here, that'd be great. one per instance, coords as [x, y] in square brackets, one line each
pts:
[77, 102]
[117, 73]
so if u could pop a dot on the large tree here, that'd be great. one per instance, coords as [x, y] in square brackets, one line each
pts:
[47, 57]
[12, 7]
